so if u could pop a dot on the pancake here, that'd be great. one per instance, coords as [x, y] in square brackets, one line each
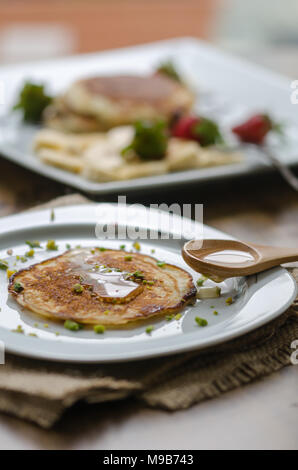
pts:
[110, 293]
[61, 118]
[107, 101]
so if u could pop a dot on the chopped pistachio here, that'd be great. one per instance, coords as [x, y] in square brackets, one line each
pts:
[35, 324]
[18, 257]
[72, 325]
[161, 264]
[169, 317]
[19, 329]
[78, 247]
[201, 280]
[52, 215]
[24, 259]
[10, 272]
[17, 287]
[68, 246]
[201, 321]
[57, 333]
[211, 306]
[215, 312]
[106, 312]
[137, 246]
[152, 250]
[209, 292]
[51, 245]
[229, 301]
[149, 329]
[101, 248]
[122, 247]
[33, 244]
[150, 283]
[138, 275]
[45, 325]
[99, 329]
[78, 288]
[114, 301]
[3, 265]
[92, 251]
[178, 316]
[32, 334]
[30, 253]
[127, 258]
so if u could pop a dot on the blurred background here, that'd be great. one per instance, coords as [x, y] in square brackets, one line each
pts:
[264, 31]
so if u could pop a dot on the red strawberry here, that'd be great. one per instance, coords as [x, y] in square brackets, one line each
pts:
[255, 129]
[182, 128]
[201, 129]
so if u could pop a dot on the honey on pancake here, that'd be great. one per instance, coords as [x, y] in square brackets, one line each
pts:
[108, 283]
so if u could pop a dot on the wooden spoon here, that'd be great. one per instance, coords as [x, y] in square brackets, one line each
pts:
[220, 259]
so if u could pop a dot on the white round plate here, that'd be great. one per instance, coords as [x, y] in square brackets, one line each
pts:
[256, 300]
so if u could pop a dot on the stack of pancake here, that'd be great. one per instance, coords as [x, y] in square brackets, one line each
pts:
[100, 103]
[89, 125]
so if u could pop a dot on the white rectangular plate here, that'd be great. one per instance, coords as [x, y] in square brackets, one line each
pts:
[228, 89]
[256, 300]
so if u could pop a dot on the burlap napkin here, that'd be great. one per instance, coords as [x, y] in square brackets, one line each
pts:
[40, 391]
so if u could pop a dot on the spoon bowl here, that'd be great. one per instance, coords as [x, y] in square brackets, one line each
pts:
[221, 259]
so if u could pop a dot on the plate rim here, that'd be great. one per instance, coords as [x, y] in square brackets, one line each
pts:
[26, 346]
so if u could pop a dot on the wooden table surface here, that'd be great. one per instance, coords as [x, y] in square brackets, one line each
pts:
[261, 415]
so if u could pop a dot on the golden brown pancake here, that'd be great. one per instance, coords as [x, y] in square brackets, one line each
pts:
[153, 89]
[114, 289]
[99, 103]
[60, 117]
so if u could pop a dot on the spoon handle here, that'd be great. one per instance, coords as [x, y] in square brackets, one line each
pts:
[276, 255]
